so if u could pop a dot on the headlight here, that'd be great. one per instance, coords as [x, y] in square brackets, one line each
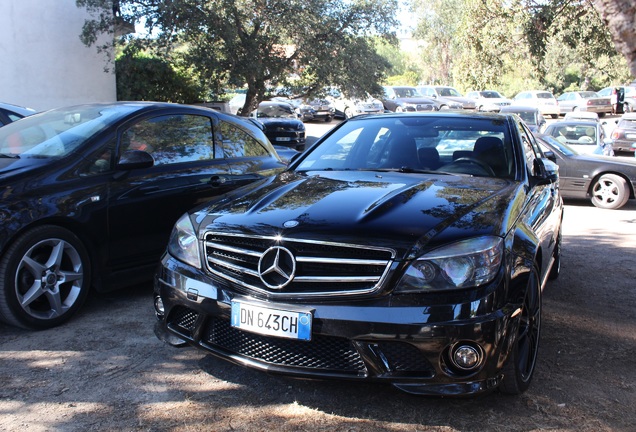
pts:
[468, 263]
[183, 244]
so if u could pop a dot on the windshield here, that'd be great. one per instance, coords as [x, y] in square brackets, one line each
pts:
[480, 147]
[59, 132]
[406, 92]
[448, 91]
[572, 133]
[529, 117]
[491, 94]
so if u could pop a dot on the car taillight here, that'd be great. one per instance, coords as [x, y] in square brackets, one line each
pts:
[618, 134]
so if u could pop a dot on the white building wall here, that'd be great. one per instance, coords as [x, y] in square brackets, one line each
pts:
[43, 63]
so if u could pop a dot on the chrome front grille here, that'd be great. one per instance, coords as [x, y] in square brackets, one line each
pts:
[314, 268]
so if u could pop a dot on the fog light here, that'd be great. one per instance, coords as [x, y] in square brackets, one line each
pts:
[159, 305]
[466, 357]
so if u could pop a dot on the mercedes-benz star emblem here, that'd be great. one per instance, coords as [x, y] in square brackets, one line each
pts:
[277, 267]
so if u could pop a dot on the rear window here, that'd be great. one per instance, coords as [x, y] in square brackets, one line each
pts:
[545, 95]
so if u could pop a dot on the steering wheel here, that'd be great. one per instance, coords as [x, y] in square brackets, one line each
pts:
[586, 139]
[484, 167]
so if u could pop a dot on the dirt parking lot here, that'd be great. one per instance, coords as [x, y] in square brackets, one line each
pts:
[106, 371]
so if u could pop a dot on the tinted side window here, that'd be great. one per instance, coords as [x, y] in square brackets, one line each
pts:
[237, 142]
[172, 139]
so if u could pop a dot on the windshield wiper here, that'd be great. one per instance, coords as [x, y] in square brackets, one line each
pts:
[10, 156]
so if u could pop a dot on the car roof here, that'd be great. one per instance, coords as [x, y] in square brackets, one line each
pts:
[20, 110]
[518, 108]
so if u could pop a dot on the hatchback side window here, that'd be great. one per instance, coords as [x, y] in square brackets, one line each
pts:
[238, 143]
[172, 139]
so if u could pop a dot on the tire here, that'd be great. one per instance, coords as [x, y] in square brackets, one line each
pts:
[44, 278]
[328, 119]
[555, 271]
[610, 191]
[519, 368]
[555, 116]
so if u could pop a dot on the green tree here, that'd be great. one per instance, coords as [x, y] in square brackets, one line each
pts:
[263, 44]
[143, 77]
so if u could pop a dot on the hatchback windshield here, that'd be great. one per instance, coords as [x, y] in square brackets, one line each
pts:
[58, 132]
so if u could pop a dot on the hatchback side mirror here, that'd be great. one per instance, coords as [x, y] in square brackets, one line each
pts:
[135, 159]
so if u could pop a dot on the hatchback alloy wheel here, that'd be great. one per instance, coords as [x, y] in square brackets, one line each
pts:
[45, 278]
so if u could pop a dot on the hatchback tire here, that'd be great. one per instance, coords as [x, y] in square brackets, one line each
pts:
[44, 278]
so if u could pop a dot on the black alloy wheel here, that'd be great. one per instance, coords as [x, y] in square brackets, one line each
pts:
[520, 366]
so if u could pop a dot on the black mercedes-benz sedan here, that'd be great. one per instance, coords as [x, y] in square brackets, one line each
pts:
[410, 249]
[90, 194]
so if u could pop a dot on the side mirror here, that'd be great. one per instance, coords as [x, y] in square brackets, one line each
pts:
[135, 159]
[545, 171]
[549, 154]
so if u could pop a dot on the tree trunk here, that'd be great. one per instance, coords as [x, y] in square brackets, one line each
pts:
[620, 18]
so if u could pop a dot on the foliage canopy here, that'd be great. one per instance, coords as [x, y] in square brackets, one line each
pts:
[301, 46]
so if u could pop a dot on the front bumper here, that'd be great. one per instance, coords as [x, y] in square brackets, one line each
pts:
[406, 344]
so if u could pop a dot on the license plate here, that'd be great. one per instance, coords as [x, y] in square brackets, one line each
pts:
[271, 322]
[283, 139]
[630, 136]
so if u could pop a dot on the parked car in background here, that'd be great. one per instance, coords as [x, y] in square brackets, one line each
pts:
[282, 125]
[446, 92]
[629, 96]
[407, 99]
[488, 100]
[10, 113]
[346, 107]
[584, 101]
[444, 102]
[304, 111]
[531, 116]
[544, 100]
[586, 137]
[607, 182]
[582, 115]
[378, 256]
[624, 134]
[90, 194]
[324, 109]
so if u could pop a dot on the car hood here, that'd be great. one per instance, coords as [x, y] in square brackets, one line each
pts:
[275, 122]
[389, 209]
[14, 166]
[415, 100]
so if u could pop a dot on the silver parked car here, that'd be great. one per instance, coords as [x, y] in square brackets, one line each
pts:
[584, 101]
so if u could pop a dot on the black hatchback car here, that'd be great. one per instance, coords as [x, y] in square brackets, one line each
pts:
[90, 194]
[410, 249]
